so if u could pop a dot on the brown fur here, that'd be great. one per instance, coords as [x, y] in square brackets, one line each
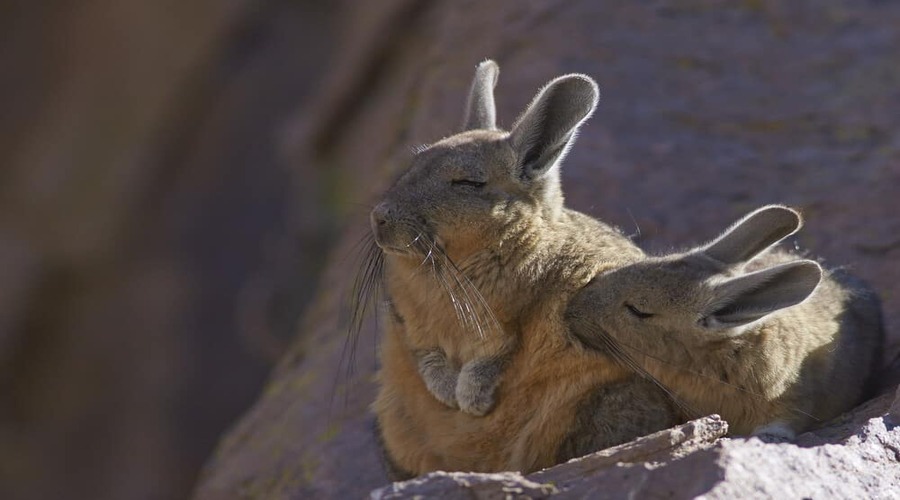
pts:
[481, 214]
[776, 364]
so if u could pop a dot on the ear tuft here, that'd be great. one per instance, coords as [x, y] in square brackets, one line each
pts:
[753, 234]
[543, 134]
[481, 112]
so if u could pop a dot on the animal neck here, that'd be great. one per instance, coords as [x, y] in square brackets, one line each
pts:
[550, 199]
[663, 358]
[498, 275]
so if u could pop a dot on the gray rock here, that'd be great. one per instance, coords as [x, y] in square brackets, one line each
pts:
[857, 456]
[464, 485]
[709, 109]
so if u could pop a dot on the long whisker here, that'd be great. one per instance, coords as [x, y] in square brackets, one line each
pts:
[608, 345]
[363, 295]
[469, 317]
[480, 298]
[457, 307]
[366, 284]
[629, 362]
[429, 256]
[453, 272]
[361, 245]
[471, 291]
[425, 247]
[437, 270]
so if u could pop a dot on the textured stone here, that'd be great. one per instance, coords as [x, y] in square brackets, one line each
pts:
[653, 449]
[709, 109]
[857, 456]
[141, 189]
[466, 485]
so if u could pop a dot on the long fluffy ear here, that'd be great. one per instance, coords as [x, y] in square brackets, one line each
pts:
[481, 113]
[543, 134]
[748, 298]
[753, 234]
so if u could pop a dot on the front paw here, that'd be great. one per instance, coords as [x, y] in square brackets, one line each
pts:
[443, 390]
[439, 376]
[475, 394]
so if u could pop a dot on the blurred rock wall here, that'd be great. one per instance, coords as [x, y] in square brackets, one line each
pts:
[147, 208]
[709, 109]
[173, 176]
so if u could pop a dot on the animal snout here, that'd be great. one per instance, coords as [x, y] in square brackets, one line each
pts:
[388, 234]
[381, 218]
[380, 215]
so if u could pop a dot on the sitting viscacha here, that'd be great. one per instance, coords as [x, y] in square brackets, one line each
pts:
[767, 339]
[478, 257]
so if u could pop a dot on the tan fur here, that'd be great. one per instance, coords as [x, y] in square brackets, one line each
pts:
[490, 201]
[793, 367]
[540, 390]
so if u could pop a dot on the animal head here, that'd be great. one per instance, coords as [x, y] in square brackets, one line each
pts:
[465, 190]
[705, 294]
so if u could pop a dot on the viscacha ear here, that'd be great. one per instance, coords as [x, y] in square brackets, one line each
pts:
[543, 134]
[753, 234]
[481, 113]
[747, 298]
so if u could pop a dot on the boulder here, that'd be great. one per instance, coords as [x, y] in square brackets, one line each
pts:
[857, 456]
[708, 109]
[141, 192]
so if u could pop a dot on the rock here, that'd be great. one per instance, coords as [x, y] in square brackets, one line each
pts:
[658, 447]
[463, 485]
[858, 456]
[893, 416]
[709, 109]
[141, 189]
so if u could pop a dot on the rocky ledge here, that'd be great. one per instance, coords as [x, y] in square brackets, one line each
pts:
[855, 456]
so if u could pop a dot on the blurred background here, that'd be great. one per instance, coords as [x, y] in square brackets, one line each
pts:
[147, 197]
[181, 183]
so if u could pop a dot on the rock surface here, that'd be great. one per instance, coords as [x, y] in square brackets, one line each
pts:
[141, 186]
[857, 456]
[709, 109]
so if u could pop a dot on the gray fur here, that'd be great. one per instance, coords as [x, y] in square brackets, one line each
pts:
[753, 234]
[439, 375]
[750, 297]
[480, 257]
[481, 113]
[767, 340]
[536, 145]
[478, 380]
[610, 417]
[546, 130]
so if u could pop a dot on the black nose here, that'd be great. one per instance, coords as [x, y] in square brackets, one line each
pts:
[380, 215]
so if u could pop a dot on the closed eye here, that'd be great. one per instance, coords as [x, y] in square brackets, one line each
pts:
[637, 312]
[468, 182]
